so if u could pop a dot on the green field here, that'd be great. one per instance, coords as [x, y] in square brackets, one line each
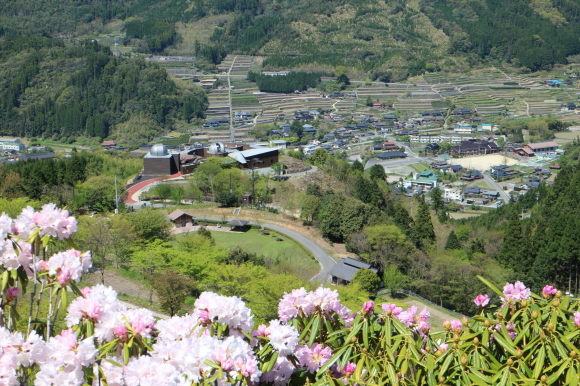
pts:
[284, 255]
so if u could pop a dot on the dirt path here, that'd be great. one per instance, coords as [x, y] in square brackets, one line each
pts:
[120, 284]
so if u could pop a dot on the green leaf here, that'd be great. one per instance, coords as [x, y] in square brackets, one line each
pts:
[478, 378]
[554, 377]
[490, 286]
[366, 333]
[333, 359]
[539, 362]
[504, 342]
[125, 354]
[314, 330]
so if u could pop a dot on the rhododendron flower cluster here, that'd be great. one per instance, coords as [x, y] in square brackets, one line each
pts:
[301, 302]
[515, 292]
[418, 321]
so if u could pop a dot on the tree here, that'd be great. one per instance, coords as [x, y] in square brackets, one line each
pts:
[452, 241]
[437, 200]
[227, 198]
[367, 280]
[278, 168]
[172, 289]
[149, 224]
[512, 250]
[95, 236]
[319, 157]
[357, 166]
[122, 236]
[393, 279]
[423, 224]
[310, 208]
[369, 101]
[377, 173]
[296, 127]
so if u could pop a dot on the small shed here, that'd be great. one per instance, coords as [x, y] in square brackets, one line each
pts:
[345, 269]
[238, 224]
[181, 218]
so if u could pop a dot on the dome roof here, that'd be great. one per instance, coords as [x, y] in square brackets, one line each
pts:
[216, 148]
[158, 150]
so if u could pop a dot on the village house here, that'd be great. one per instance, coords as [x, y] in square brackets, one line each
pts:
[453, 194]
[547, 147]
[475, 147]
[502, 172]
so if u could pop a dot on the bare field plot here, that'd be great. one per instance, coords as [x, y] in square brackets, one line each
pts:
[483, 162]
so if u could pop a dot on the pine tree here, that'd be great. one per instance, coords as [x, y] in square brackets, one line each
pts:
[423, 224]
[512, 248]
[452, 241]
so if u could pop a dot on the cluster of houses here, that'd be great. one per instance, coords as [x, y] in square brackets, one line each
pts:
[14, 150]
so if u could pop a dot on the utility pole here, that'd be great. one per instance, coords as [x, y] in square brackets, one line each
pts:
[116, 197]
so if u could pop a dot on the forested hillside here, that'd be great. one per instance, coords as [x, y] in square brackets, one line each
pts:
[47, 89]
[407, 38]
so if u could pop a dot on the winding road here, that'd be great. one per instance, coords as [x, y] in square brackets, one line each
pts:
[326, 262]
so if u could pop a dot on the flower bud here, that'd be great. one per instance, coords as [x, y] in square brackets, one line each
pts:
[353, 339]
[559, 294]
[455, 345]
[524, 303]
[447, 325]
[464, 321]
[573, 354]
[499, 315]
[542, 335]
[534, 314]
[476, 341]
[556, 303]
[463, 360]
[519, 353]
[486, 323]
[441, 379]
[550, 326]
[427, 349]
[543, 379]
[509, 362]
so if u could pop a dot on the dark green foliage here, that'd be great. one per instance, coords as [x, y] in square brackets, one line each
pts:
[512, 251]
[295, 81]
[367, 280]
[508, 30]
[452, 241]
[423, 223]
[84, 91]
[158, 34]
[227, 198]
[357, 166]
[238, 256]
[377, 173]
[368, 192]
[172, 289]
[437, 200]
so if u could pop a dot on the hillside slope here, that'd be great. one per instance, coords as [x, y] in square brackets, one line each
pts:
[410, 36]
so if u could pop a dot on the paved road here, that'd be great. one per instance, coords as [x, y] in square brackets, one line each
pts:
[326, 262]
[495, 186]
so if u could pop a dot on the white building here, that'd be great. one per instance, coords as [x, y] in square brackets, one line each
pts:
[279, 143]
[11, 144]
[463, 130]
[453, 194]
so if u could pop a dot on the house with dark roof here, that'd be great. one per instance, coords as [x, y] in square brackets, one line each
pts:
[471, 176]
[475, 147]
[181, 218]
[502, 172]
[344, 270]
[391, 155]
[472, 190]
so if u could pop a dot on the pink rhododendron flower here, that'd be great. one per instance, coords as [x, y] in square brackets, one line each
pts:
[391, 309]
[68, 265]
[12, 292]
[55, 222]
[301, 302]
[577, 319]
[283, 338]
[280, 373]
[368, 307]
[456, 325]
[516, 291]
[313, 357]
[349, 368]
[481, 300]
[411, 319]
[231, 311]
[549, 291]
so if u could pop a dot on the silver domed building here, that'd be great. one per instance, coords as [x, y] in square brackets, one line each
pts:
[160, 162]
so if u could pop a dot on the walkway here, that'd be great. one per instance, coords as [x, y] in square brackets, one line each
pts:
[134, 191]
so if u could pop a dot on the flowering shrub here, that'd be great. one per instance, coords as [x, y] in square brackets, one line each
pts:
[524, 340]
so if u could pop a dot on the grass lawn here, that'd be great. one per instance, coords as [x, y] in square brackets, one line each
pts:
[482, 184]
[420, 168]
[286, 253]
